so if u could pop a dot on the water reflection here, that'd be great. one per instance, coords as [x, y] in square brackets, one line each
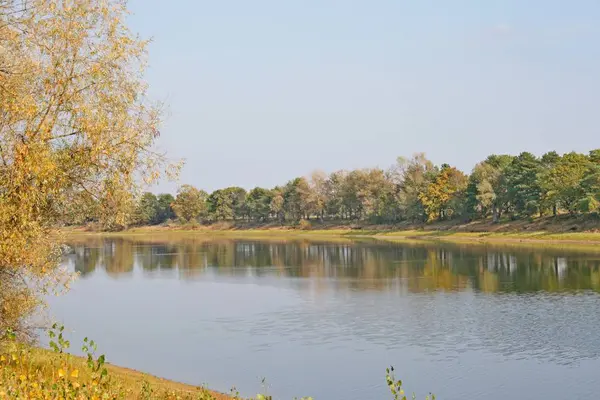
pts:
[358, 265]
[483, 321]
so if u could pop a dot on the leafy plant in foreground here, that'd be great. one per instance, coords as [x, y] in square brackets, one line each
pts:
[395, 386]
[27, 372]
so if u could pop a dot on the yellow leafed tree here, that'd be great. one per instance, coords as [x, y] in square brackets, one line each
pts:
[76, 129]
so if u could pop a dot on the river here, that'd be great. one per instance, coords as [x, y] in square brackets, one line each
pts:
[325, 318]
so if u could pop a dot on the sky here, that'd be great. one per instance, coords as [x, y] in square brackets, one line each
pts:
[261, 92]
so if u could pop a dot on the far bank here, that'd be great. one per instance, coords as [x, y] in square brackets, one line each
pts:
[550, 231]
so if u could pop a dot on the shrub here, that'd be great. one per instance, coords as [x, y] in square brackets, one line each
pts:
[222, 225]
[305, 225]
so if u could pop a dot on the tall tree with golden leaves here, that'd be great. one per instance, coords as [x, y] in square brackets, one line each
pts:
[76, 128]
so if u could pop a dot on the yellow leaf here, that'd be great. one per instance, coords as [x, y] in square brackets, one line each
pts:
[75, 373]
[2, 358]
[61, 373]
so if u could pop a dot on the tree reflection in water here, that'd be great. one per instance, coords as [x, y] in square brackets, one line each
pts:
[356, 265]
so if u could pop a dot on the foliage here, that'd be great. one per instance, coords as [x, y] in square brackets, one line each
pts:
[165, 210]
[26, 372]
[414, 175]
[220, 205]
[416, 191]
[319, 193]
[562, 181]
[228, 203]
[258, 204]
[238, 201]
[277, 205]
[76, 134]
[395, 386]
[487, 190]
[147, 210]
[438, 195]
[189, 204]
[305, 225]
[297, 199]
[589, 204]
[523, 185]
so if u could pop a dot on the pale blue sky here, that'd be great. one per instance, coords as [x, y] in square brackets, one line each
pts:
[260, 92]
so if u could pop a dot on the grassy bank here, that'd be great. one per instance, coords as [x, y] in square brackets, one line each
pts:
[536, 236]
[28, 372]
[131, 383]
[562, 230]
[34, 373]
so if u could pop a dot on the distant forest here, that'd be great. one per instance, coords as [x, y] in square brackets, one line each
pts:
[413, 190]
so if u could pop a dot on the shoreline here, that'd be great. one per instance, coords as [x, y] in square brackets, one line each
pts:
[589, 240]
[128, 377]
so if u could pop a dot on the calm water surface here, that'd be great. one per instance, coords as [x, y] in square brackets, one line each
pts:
[325, 319]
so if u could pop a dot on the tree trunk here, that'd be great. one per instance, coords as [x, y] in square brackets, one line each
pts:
[495, 215]
[554, 210]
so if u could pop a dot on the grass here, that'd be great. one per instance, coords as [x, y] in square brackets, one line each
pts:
[32, 373]
[587, 241]
[41, 365]
[286, 232]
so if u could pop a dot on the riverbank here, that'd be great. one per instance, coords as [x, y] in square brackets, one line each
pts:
[563, 231]
[40, 369]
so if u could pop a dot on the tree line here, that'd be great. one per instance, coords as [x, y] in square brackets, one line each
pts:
[413, 190]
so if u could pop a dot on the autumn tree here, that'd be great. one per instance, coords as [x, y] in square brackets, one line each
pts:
[438, 197]
[319, 192]
[334, 187]
[414, 175]
[297, 198]
[277, 204]
[373, 194]
[76, 125]
[190, 203]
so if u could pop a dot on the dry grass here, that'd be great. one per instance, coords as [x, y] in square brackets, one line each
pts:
[28, 372]
[582, 231]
